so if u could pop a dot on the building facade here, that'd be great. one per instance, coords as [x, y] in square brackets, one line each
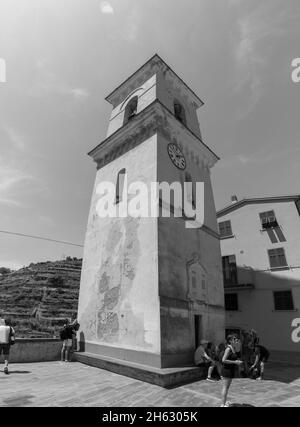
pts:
[151, 288]
[260, 245]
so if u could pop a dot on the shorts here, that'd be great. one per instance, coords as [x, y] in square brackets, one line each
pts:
[206, 364]
[229, 371]
[67, 343]
[4, 348]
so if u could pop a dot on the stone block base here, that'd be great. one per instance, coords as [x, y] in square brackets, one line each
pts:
[167, 377]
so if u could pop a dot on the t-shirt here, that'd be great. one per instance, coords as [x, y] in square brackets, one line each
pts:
[5, 333]
[199, 356]
[261, 352]
[69, 332]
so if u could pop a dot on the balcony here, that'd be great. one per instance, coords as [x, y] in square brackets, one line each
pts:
[229, 287]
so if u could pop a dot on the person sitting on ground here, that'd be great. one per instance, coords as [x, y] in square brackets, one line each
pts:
[261, 357]
[7, 338]
[66, 335]
[201, 358]
[212, 352]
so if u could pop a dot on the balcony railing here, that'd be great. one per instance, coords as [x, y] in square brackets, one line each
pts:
[238, 286]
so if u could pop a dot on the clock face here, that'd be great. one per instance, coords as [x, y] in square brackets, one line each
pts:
[177, 156]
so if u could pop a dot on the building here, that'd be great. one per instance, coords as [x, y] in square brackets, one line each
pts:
[260, 244]
[150, 287]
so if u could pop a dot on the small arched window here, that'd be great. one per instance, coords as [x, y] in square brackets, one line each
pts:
[179, 112]
[120, 185]
[130, 109]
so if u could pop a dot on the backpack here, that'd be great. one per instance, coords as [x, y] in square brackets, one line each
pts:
[76, 326]
[63, 333]
[11, 337]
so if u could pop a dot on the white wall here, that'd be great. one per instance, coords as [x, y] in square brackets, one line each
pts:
[250, 246]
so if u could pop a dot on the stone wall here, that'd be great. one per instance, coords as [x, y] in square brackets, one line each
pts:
[35, 350]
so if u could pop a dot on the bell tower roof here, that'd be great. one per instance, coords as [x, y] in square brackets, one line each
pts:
[153, 66]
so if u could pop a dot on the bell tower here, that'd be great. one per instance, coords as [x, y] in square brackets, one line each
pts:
[151, 288]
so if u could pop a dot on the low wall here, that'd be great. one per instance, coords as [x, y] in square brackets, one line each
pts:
[287, 358]
[35, 350]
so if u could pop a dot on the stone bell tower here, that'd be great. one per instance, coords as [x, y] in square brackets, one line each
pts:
[151, 288]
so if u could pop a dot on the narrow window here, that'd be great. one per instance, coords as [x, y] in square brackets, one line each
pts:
[130, 109]
[225, 229]
[120, 185]
[229, 270]
[268, 220]
[277, 258]
[179, 112]
[231, 302]
[283, 300]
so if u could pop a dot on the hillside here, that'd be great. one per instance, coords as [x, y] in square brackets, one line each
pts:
[40, 297]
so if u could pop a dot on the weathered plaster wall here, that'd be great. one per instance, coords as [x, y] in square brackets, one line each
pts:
[35, 350]
[146, 92]
[180, 249]
[190, 272]
[167, 95]
[250, 246]
[118, 303]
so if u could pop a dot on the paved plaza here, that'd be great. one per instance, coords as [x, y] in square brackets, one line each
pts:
[75, 384]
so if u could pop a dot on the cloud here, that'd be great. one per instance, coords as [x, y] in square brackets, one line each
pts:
[15, 137]
[48, 82]
[12, 265]
[130, 31]
[251, 60]
[79, 93]
[106, 8]
[15, 181]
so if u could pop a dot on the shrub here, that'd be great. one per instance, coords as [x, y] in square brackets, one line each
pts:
[57, 280]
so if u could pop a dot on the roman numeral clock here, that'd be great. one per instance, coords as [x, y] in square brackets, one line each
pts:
[176, 156]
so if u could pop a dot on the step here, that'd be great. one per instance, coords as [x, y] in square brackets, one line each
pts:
[167, 377]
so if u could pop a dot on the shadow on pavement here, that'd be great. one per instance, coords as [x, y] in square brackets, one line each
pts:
[241, 405]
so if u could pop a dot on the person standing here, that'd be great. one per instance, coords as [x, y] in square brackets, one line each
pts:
[75, 325]
[261, 357]
[230, 363]
[7, 338]
[66, 335]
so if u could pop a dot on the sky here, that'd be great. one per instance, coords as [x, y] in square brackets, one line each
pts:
[64, 56]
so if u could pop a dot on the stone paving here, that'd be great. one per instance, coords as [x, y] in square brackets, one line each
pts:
[74, 384]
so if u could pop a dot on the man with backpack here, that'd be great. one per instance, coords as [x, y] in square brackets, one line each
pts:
[7, 338]
[75, 326]
[66, 335]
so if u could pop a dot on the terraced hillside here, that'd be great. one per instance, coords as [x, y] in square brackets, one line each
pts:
[40, 297]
